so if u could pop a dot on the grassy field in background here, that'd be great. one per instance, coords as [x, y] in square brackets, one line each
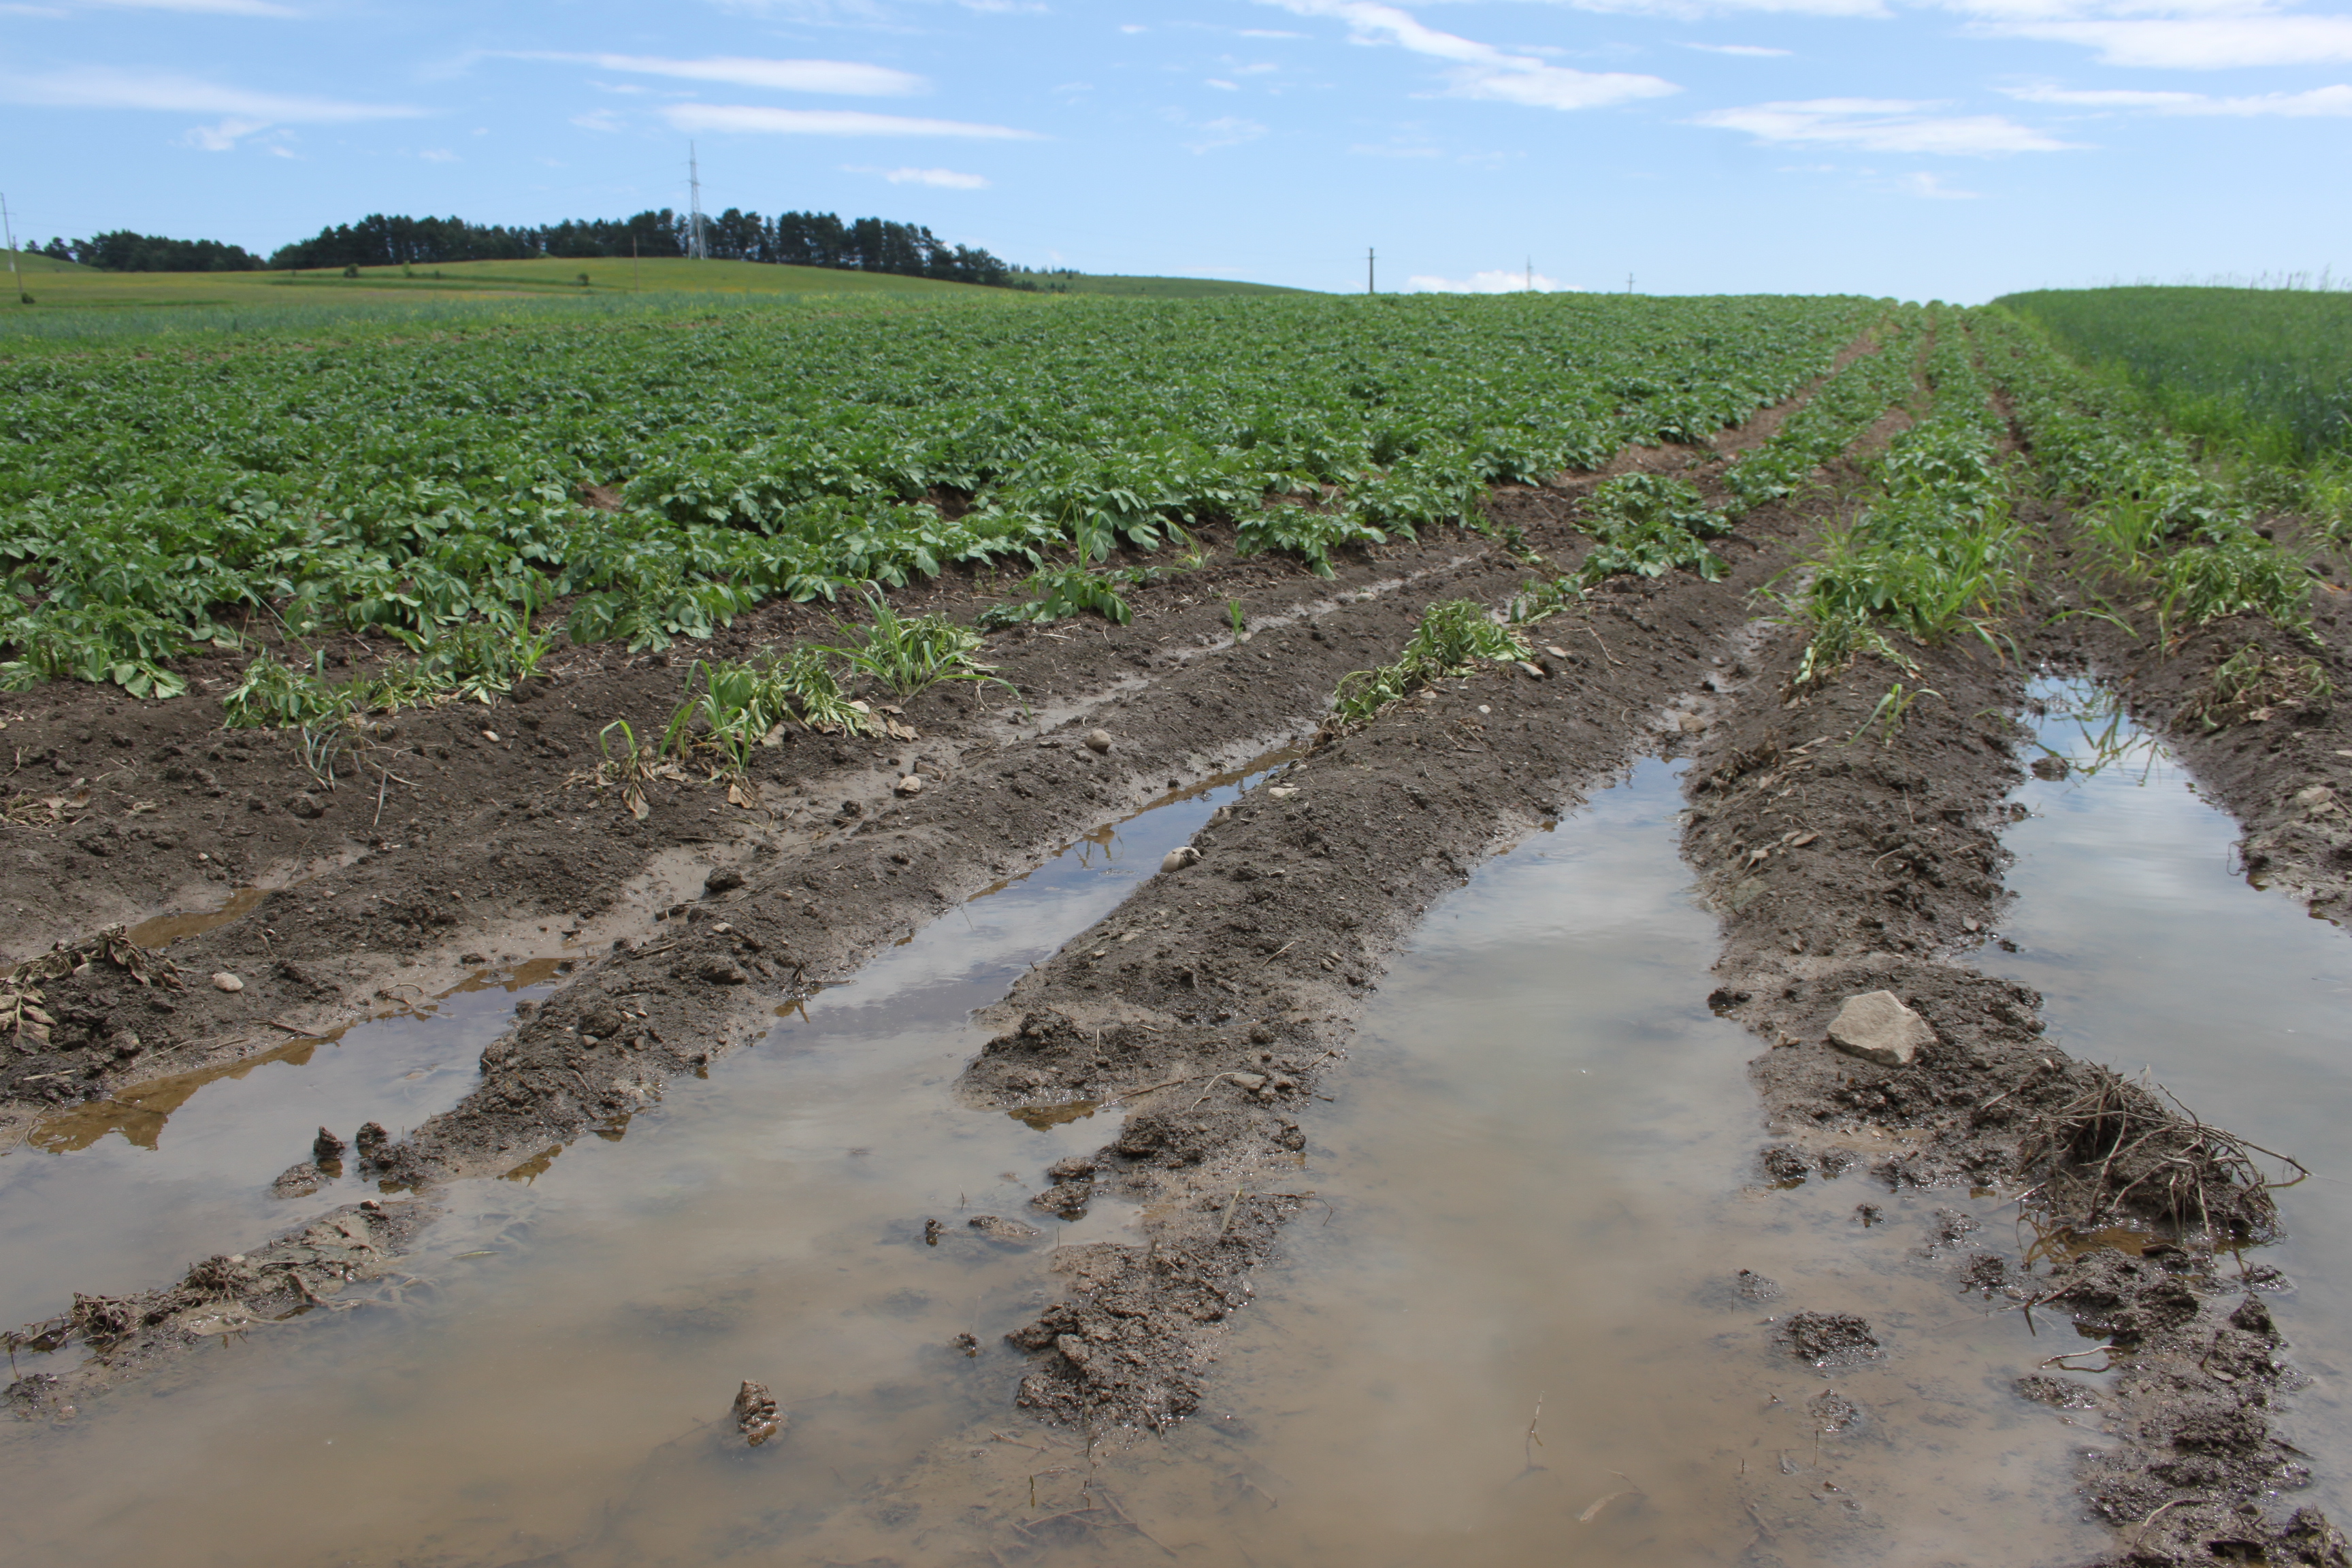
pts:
[2268, 369]
[58, 286]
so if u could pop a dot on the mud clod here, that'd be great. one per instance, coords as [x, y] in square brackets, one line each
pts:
[1011, 1232]
[1829, 1338]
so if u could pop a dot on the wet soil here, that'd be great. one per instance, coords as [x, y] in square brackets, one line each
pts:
[1845, 854]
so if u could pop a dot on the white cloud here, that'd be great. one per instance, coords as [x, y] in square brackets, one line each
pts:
[1499, 281]
[1368, 149]
[438, 155]
[1221, 86]
[224, 137]
[2205, 42]
[945, 179]
[1931, 187]
[595, 120]
[1882, 125]
[105, 87]
[849, 78]
[1482, 70]
[1746, 51]
[2319, 101]
[755, 118]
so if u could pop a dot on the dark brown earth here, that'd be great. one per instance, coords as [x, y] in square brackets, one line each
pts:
[1843, 858]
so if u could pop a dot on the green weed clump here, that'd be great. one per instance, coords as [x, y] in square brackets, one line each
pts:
[2251, 684]
[1454, 637]
[908, 654]
[473, 662]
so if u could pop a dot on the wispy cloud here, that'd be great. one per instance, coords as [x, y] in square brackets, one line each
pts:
[597, 120]
[1482, 70]
[2319, 101]
[2201, 43]
[224, 137]
[1882, 125]
[846, 77]
[1498, 281]
[759, 120]
[1746, 51]
[1208, 136]
[945, 179]
[106, 86]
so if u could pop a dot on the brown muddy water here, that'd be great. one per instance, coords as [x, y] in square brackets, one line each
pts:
[1514, 1330]
[2155, 952]
[111, 1196]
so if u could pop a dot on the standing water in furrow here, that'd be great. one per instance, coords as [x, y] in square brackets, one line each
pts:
[2155, 952]
[537, 1376]
[1540, 1309]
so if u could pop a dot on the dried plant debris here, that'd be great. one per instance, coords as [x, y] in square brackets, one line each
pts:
[2116, 1149]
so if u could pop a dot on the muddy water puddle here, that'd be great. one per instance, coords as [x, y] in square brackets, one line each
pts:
[122, 1194]
[2135, 922]
[1525, 1336]
[549, 1373]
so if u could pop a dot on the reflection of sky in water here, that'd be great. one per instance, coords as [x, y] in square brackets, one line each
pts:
[2152, 951]
[548, 1384]
[122, 1195]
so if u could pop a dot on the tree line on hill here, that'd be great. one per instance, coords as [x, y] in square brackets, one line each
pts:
[792, 239]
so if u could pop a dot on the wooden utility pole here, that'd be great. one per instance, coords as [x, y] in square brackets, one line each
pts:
[1371, 287]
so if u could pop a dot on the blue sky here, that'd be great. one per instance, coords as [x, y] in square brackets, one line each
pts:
[1953, 149]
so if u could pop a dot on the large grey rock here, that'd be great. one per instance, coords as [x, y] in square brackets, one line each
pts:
[1877, 1028]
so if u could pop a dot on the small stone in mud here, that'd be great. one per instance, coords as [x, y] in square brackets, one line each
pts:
[1836, 1163]
[1783, 1163]
[1176, 859]
[306, 807]
[1868, 1214]
[371, 1141]
[1077, 1167]
[967, 1343]
[1877, 1028]
[1987, 1274]
[755, 1412]
[725, 879]
[912, 784]
[297, 1181]
[2049, 766]
[1099, 741]
[932, 1229]
[1755, 1287]
[719, 971]
[997, 1228]
[228, 982]
[1829, 1338]
[326, 1149]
